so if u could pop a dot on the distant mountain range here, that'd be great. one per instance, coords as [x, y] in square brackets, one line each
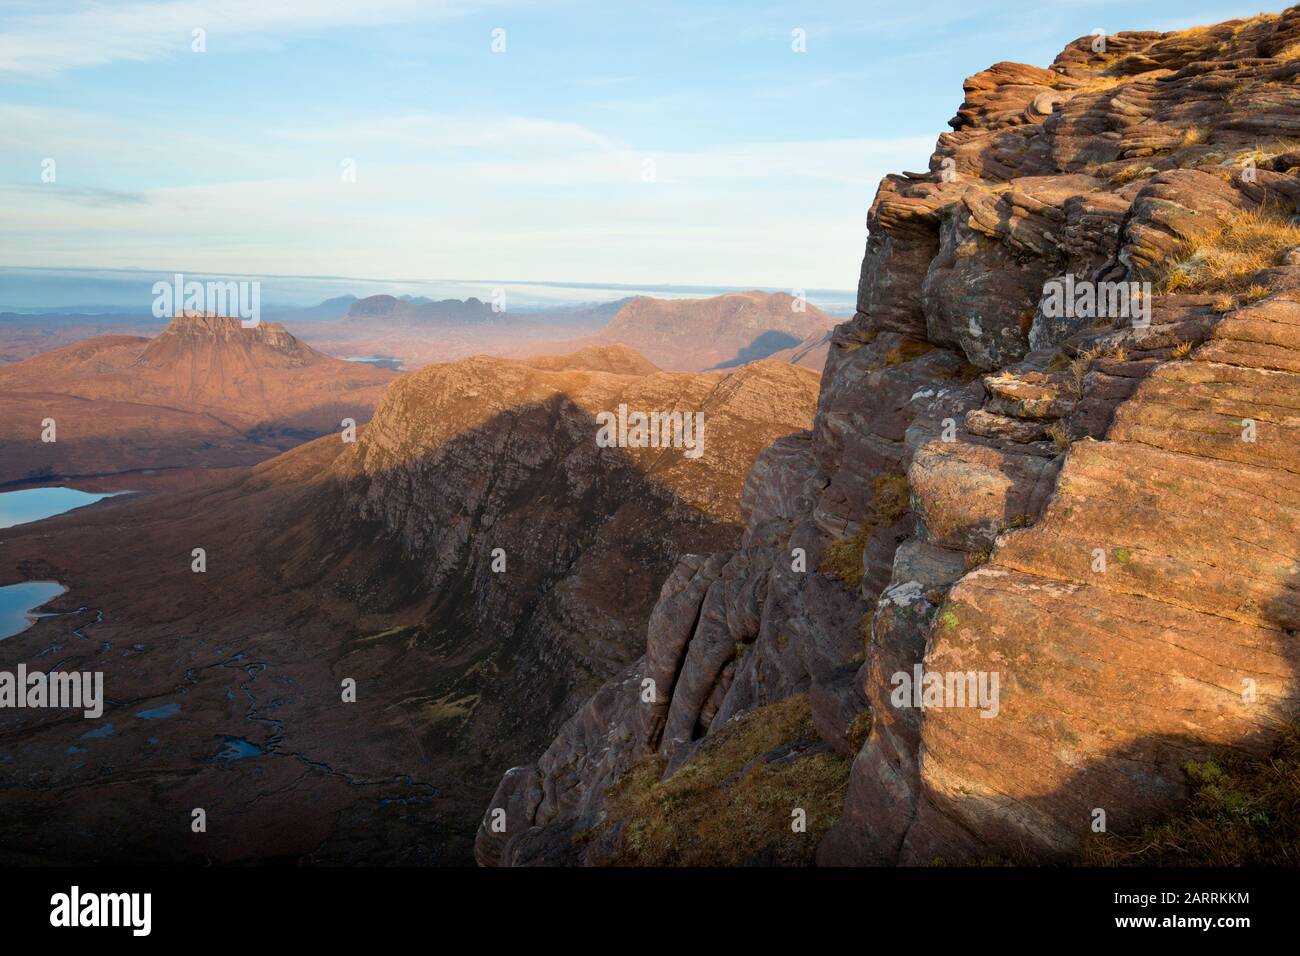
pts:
[723, 331]
[422, 310]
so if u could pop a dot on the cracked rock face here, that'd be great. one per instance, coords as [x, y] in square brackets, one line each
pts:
[1100, 511]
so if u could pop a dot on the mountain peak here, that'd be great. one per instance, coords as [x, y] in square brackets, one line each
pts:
[195, 327]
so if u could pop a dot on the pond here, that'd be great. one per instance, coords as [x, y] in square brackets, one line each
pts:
[18, 601]
[35, 504]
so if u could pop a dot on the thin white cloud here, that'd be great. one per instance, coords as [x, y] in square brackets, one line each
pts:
[510, 151]
[440, 195]
[72, 35]
[443, 132]
[730, 215]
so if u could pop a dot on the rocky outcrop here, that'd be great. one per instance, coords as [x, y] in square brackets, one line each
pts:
[1093, 507]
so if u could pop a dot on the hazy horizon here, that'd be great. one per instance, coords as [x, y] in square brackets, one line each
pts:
[128, 291]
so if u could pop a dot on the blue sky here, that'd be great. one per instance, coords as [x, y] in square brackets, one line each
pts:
[667, 142]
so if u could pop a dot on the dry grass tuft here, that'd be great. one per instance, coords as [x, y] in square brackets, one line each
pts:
[729, 805]
[1131, 174]
[859, 730]
[893, 496]
[1244, 811]
[1228, 258]
[1078, 370]
[1182, 350]
[1059, 434]
[908, 350]
[843, 558]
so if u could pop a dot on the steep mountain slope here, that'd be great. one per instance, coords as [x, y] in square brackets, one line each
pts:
[609, 358]
[1097, 508]
[205, 392]
[810, 353]
[722, 331]
[476, 562]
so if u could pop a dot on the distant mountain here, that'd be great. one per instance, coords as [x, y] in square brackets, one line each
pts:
[405, 310]
[203, 393]
[422, 311]
[724, 331]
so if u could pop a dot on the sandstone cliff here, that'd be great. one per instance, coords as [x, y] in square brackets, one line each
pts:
[1101, 509]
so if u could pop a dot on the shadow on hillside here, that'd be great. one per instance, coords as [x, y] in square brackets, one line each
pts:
[768, 343]
[99, 438]
[315, 575]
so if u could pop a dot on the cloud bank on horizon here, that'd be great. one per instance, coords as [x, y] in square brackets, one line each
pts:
[693, 143]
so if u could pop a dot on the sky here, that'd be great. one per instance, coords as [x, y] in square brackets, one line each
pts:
[605, 142]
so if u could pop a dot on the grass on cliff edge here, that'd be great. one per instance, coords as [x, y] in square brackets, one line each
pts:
[1226, 259]
[1244, 811]
[731, 804]
[844, 558]
[893, 495]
